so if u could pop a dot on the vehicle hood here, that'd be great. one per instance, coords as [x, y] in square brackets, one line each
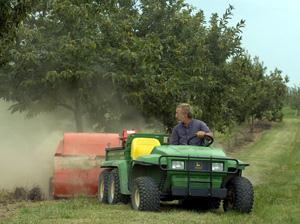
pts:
[158, 153]
[188, 150]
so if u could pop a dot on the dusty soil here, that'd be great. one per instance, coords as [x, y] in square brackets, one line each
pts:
[7, 210]
[11, 201]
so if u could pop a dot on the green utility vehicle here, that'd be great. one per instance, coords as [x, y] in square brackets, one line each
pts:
[148, 170]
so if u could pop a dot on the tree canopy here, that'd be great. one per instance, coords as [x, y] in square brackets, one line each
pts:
[97, 58]
[12, 13]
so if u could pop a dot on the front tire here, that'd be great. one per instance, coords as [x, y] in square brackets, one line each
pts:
[145, 195]
[240, 195]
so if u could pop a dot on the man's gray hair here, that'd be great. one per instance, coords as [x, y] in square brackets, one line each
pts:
[186, 108]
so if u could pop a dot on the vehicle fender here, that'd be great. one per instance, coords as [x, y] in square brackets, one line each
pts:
[240, 165]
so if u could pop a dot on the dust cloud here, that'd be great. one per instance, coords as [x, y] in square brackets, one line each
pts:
[27, 148]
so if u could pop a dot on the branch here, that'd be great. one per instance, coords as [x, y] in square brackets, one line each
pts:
[66, 106]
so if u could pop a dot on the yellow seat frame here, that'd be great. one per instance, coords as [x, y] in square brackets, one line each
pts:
[143, 146]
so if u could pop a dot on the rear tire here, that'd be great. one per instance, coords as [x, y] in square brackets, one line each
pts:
[51, 189]
[145, 195]
[103, 186]
[35, 194]
[114, 189]
[239, 195]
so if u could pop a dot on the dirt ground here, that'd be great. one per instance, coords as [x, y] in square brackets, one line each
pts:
[7, 210]
[11, 201]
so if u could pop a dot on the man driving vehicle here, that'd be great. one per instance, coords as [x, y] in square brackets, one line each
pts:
[188, 128]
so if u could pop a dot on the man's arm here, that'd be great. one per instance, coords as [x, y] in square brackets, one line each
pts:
[203, 130]
[201, 134]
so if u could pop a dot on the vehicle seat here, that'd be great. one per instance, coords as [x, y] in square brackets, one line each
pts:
[143, 146]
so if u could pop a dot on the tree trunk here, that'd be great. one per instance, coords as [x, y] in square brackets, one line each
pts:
[252, 124]
[78, 121]
[78, 117]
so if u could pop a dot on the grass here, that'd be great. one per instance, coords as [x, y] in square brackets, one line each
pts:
[275, 162]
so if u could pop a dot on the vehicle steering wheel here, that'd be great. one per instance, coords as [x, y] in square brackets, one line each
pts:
[207, 140]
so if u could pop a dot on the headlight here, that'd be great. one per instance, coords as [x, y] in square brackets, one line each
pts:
[178, 165]
[217, 167]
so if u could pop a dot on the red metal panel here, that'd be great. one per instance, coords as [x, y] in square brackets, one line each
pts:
[76, 168]
[72, 182]
[89, 143]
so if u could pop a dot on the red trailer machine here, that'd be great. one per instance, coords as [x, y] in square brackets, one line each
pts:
[77, 163]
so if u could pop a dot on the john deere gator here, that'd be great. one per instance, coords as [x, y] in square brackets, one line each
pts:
[147, 170]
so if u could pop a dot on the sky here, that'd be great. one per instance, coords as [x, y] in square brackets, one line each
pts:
[272, 30]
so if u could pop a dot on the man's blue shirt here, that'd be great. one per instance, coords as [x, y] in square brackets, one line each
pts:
[181, 134]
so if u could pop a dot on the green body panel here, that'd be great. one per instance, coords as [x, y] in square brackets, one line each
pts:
[115, 155]
[180, 180]
[160, 160]
[241, 165]
[153, 159]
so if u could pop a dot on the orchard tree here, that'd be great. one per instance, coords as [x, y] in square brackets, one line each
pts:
[174, 57]
[98, 58]
[12, 13]
[294, 99]
[56, 62]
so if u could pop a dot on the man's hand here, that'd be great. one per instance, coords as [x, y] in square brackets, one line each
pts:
[200, 134]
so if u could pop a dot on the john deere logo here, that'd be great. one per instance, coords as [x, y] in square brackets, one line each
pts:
[198, 165]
